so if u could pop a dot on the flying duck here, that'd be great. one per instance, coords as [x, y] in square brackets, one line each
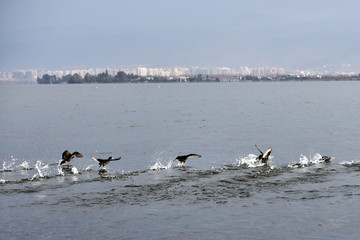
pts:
[104, 162]
[183, 158]
[264, 157]
[67, 156]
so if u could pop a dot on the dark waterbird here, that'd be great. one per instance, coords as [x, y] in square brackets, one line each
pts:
[183, 158]
[264, 157]
[326, 158]
[67, 156]
[104, 162]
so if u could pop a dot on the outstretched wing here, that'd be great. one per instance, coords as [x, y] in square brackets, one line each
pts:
[259, 150]
[115, 159]
[97, 159]
[77, 154]
[267, 153]
[193, 155]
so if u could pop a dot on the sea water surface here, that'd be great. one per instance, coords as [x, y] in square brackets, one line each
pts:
[225, 194]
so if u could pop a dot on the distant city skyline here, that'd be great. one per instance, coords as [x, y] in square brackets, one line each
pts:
[82, 34]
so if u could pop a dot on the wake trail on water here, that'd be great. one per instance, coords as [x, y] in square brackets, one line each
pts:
[41, 170]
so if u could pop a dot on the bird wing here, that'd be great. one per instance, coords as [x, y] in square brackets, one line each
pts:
[115, 159]
[77, 154]
[267, 153]
[97, 159]
[193, 155]
[259, 150]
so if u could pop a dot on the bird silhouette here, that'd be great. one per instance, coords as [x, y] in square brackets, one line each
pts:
[183, 158]
[104, 162]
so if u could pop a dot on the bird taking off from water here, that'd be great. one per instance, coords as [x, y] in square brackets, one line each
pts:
[264, 157]
[326, 159]
[183, 158]
[67, 156]
[104, 162]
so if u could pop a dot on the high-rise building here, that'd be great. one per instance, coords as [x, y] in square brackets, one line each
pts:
[142, 71]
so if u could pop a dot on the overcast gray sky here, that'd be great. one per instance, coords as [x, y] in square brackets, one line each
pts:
[62, 34]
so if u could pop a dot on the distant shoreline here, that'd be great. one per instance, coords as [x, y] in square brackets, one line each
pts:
[122, 77]
[186, 79]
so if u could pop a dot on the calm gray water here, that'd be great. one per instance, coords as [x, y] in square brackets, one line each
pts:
[224, 194]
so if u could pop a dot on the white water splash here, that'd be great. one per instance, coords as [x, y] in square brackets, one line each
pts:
[180, 164]
[38, 168]
[74, 171]
[60, 170]
[9, 166]
[2, 181]
[250, 161]
[304, 161]
[25, 165]
[34, 177]
[41, 168]
[159, 166]
[88, 168]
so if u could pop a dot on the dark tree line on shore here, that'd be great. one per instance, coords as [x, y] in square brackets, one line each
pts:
[120, 77]
[104, 77]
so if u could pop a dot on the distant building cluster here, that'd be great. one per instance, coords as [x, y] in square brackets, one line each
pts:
[219, 71]
[179, 72]
[24, 76]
